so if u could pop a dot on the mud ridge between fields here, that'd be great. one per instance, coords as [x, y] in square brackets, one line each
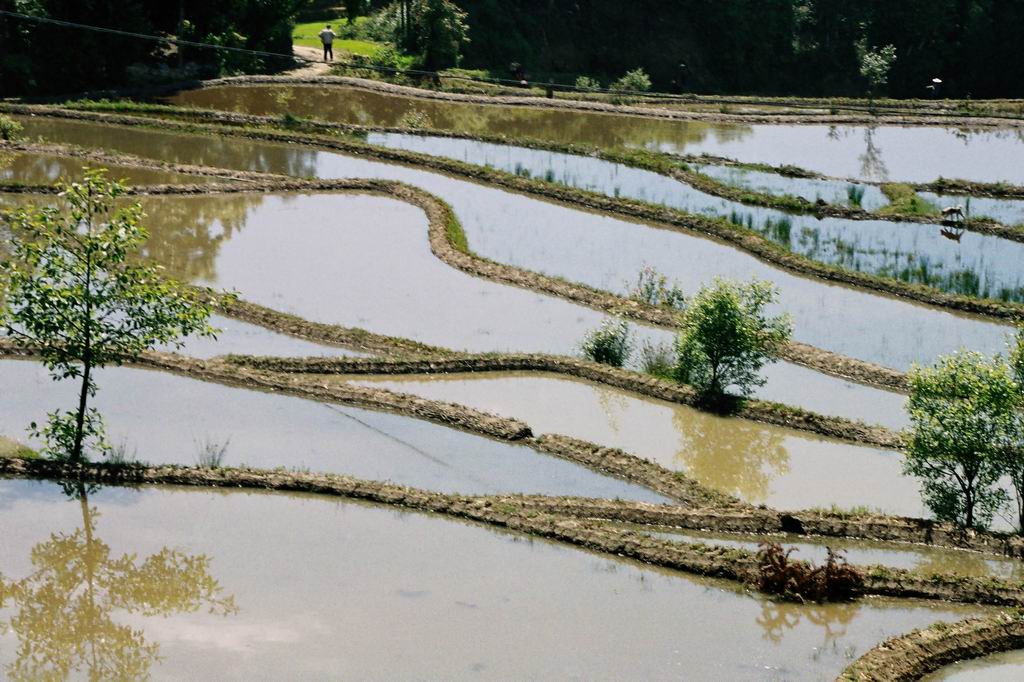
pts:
[915, 654]
[513, 513]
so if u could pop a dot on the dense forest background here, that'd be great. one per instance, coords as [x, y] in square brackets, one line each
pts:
[36, 58]
[805, 47]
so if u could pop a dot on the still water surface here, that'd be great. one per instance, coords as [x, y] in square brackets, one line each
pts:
[246, 585]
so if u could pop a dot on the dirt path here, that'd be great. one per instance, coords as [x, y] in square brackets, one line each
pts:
[307, 69]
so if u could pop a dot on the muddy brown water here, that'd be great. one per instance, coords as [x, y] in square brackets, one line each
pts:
[916, 558]
[1004, 667]
[977, 265]
[302, 587]
[759, 463]
[41, 169]
[908, 154]
[598, 250]
[365, 261]
[167, 419]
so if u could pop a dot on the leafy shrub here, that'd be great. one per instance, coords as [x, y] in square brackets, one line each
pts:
[609, 344]
[634, 81]
[800, 581]
[9, 128]
[386, 57]
[587, 84]
[653, 288]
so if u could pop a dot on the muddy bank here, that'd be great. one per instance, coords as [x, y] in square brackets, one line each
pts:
[915, 654]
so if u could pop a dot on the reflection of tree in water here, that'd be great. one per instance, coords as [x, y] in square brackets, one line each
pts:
[371, 108]
[185, 233]
[209, 150]
[613, 404]
[966, 563]
[872, 165]
[733, 456]
[63, 612]
[778, 617]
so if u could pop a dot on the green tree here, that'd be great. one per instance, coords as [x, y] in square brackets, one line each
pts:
[875, 66]
[963, 418]
[354, 9]
[442, 32]
[1013, 456]
[727, 337]
[73, 293]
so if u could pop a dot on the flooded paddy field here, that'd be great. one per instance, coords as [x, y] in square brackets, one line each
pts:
[374, 253]
[267, 431]
[1004, 667]
[908, 154]
[597, 250]
[1006, 211]
[836, 192]
[977, 265]
[920, 559]
[340, 588]
[759, 463]
[29, 168]
[443, 599]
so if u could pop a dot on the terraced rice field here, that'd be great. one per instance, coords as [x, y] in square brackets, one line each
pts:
[420, 477]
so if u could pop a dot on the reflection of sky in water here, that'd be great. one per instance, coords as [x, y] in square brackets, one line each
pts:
[836, 192]
[1004, 667]
[596, 249]
[334, 581]
[759, 463]
[907, 251]
[267, 431]
[1006, 211]
[884, 153]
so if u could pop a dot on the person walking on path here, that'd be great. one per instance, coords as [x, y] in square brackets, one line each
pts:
[327, 37]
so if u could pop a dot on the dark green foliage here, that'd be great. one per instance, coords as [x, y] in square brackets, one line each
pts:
[41, 59]
[758, 46]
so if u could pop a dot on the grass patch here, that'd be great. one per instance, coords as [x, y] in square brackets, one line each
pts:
[904, 200]
[11, 448]
[308, 35]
